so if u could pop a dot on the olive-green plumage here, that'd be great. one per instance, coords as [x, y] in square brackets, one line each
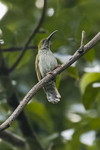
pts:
[46, 62]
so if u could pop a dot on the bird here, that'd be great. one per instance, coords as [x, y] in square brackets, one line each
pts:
[45, 63]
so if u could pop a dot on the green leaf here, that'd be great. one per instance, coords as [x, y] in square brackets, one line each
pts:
[90, 55]
[6, 85]
[8, 36]
[13, 57]
[25, 59]
[90, 96]
[5, 146]
[72, 71]
[94, 124]
[87, 79]
[37, 112]
[89, 93]
[85, 25]
[58, 79]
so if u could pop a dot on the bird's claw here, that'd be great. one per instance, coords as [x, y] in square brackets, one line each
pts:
[57, 66]
[49, 73]
[54, 102]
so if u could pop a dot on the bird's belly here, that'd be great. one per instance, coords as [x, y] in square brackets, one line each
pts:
[47, 63]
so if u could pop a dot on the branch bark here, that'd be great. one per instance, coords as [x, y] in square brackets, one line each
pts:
[29, 40]
[40, 84]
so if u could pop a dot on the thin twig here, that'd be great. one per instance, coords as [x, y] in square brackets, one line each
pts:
[83, 38]
[82, 42]
[29, 40]
[41, 83]
[13, 139]
[14, 49]
[51, 146]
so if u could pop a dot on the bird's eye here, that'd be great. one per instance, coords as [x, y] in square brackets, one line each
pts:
[42, 41]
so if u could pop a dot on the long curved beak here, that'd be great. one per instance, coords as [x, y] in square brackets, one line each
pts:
[49, 37]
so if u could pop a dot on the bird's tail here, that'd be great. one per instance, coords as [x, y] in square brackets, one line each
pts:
[52, 93]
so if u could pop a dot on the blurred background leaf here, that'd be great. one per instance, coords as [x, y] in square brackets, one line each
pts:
[79, 108]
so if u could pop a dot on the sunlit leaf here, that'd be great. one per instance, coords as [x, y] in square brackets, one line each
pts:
[90, 96]
[87, 79]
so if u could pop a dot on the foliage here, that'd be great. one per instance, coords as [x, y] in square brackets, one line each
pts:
[79, 85]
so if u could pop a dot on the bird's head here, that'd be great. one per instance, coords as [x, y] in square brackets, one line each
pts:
[45, 43]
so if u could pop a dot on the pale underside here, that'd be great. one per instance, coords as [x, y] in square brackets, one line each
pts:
[46, 62]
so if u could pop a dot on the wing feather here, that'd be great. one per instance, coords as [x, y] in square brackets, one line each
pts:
[37, 68]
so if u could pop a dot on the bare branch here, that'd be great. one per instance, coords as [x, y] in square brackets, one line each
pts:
[51, 146]
[83, 39]
[81, 49]
[29, 40]
[14, 49]
[40, 84]
[13, 139]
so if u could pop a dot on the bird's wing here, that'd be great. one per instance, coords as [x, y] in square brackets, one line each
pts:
[37, 68]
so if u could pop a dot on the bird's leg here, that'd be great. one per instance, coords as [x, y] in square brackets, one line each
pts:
[54, 69]
[57, 66]
[49, 73]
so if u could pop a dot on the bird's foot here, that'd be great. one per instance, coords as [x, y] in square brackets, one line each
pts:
[49, 73]
[54, 68]
[57, 66]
